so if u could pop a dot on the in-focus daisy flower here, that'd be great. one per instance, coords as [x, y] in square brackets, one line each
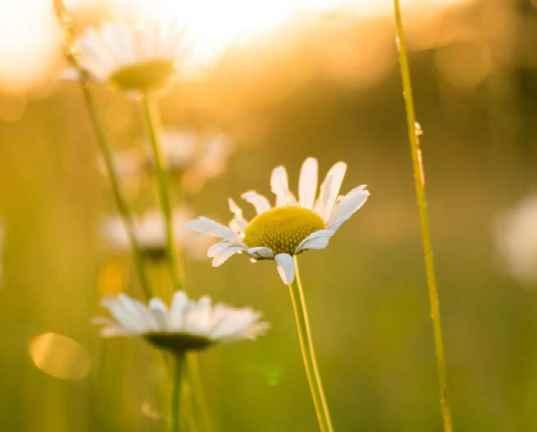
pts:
[183, 326]
[516, 237]
[150, 232]
[290, 226]
[136, 56]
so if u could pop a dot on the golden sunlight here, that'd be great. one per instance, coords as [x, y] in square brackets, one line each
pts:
[29, 42]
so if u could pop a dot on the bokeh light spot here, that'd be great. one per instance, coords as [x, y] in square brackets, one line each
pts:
[60, 356]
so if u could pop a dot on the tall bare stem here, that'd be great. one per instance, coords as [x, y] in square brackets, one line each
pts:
[421, 197]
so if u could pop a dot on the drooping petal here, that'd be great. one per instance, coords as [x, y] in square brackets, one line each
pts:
[226, 254]
[307, 183]
[217, 248]
[237, 213]
[261, 252]
[350, 204]
[285, 267]
[205, 225]
[279, 185]
[260, 203]
[316, 240]
[330, 190]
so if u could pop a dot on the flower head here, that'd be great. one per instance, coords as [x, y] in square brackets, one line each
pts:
[516, 237]
[186, 325]
[150, 232]
[193, 158]
[136, 57]
[292, 225]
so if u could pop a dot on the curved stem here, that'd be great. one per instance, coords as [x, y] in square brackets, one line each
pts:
[151, 121]
[309, 357]
[179, 361]
[121, 202]
[419, 179]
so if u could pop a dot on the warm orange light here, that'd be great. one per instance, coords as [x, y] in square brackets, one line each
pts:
[29, 43]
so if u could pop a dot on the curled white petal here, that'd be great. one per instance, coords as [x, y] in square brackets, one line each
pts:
[238, 219]
[349, 204]
[285, 267]
[316, 240]
[279, 185]
[330, 190]
[260, 203]
[226, 254]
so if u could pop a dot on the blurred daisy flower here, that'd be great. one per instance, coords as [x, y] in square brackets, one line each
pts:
[192, 158]
[289, 227]
[135, 55]
[150, 232]
[183, 326]
[516, 238]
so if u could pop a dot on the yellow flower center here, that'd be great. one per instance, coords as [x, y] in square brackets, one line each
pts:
[282, 228]
[143, 76]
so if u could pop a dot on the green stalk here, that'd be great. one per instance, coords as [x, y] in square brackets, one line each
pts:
[151, 118]
[175, 423]
[119, 198]
[419, 179]
[307, 349]
[106, 151]
[152, 122]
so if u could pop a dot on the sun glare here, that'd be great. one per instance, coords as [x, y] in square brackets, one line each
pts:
[29, 42]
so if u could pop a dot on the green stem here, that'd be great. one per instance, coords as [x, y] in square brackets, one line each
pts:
[198, 393]
[307, 348]
[119, 198]
[151, 121]
[419, 179]
[179, 360]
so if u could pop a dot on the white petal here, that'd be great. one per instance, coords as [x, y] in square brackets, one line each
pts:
[307, 184]
[316, 240]
[350, 204]
[159, 311]
[286, 268]
[238, 223]
[208, 226]
[261, 252]
[279, 184]
[330, 190]
[217, 248]
[226, 254]
[177, 309]
[260, 203]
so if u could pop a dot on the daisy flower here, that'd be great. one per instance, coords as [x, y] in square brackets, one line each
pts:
[136, 56]
[290, 226]
[185, 325]
[516, 238]
[192, 157]
[150, 232]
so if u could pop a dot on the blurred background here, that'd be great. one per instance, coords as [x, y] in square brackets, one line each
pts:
[283, 80]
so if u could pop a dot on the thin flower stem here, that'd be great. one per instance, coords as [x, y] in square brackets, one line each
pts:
[121, 202]
[419, 179]
[198, 393]
[307, 348]
[151, 118]
[106, 151]
[179, 360]
[152, 121]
